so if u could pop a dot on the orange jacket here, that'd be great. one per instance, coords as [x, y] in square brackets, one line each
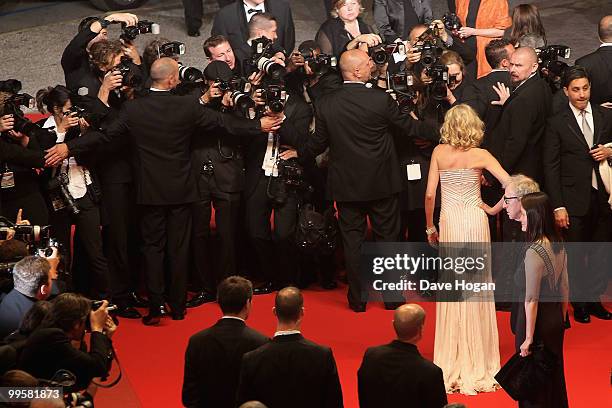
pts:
[491, 14]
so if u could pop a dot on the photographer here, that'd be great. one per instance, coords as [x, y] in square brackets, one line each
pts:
[31, 282]
[75, 59]
[20, 187]
[49, 348]
[74, 196]
[456, 75]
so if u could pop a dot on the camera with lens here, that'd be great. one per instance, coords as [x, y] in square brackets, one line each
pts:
[129, 33]
[130, 74]
[290, 179]
[452, 22]
[12, 106]
[430, 45]
[382, 53]
[320, 64]
[551, 69]
[275, 97]
[401, 86]
[172, 49]
[59, 195]
[439, 81]
[189, 74]
[240, 99]
[263, 51]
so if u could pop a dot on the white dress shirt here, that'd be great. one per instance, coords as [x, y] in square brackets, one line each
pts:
[260, 7]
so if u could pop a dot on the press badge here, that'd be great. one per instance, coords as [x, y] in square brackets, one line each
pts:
[8, 180]
[414, 171]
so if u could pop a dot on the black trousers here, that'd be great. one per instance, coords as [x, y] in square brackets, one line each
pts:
[214, 263]
[194, 11]
[275, 250]
[119, 236]
[166, 232]
[89, 266]
[384, 215]
[588, 268]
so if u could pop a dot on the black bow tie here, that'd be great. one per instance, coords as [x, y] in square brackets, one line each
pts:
[254, 11]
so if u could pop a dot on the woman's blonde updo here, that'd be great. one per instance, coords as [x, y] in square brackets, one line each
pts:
[462, 128]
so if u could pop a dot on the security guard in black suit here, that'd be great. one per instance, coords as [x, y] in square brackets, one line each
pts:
[599, 64]
[165, 182]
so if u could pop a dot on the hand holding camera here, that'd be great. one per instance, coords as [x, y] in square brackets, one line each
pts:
[271, 122]
[6, 123]
[112, 80]
[98, 317]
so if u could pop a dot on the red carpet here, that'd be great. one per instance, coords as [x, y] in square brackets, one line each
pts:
[152, 357]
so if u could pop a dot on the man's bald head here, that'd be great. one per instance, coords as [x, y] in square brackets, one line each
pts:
[605, 29]
[523, 63]
[289, 305]
[408, 321]
[253, 404]
[163, 68]
[355, 65]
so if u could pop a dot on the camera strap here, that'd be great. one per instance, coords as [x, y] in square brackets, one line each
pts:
[269, 164]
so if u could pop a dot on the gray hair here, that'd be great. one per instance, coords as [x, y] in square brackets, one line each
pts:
[30, 274]
[523, 185]
[531, 40]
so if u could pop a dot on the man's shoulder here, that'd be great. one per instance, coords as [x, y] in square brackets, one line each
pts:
[278, 6]
[219, 330]
[595, 56]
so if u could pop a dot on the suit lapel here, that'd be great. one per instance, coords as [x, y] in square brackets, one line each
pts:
[244, 25]
[573, 125]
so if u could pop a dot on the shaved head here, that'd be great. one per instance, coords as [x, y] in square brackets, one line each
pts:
[523, 64]
[355, 65]
[408, 321]
[605, 29]
[253, 404]
[163, 68]
[528, 54]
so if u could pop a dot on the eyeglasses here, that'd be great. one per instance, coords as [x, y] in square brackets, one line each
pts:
[507, 199]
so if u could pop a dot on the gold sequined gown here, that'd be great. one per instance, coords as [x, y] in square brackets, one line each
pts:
[466, 343]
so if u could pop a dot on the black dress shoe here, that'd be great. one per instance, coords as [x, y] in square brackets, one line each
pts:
[600, 312]
[134, 300]
[263, 289]
[194, 33]
[200, 298]
[127, 312]
[151, 319]
[358, 308]
[582, 316]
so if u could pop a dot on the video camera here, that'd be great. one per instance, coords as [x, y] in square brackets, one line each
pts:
[129, 33]
[263, 51]
[382, 53]
[551, 69]
[401, 86]
[12, 106]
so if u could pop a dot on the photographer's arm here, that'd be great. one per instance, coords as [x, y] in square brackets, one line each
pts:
[76, 51]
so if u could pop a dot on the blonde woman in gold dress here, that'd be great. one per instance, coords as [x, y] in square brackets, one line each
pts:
[466, 344]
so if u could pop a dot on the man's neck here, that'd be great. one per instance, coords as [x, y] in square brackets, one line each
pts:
[240, 315]
[288, 326]
[161, 87]
[412, 341]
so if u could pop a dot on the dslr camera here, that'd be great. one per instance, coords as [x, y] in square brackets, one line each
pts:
[431, 46]
[129, 33]
[320, 64]
[382, 53]
[452, 22]
[401, 86]
[263, 51]
[440, 81]
[129, 72]
[240, 99]
[551, 69]
[275, 97]
[12, 106]
[190, 74]
[171, 49]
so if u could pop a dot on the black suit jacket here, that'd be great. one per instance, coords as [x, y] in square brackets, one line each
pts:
[48, 350]
[396, 18]
[599, 66]
[12, 309]
[231, 23]
[160, 143]
[290, 371]
[568, 166]
[213, 360]
[75, 63]
[395, 375]
[293, 132]
[355, 122]
[479, 94]
[517, 138]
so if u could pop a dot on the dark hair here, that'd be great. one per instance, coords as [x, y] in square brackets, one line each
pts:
[309, 45]
[496, 52]
[104, 51]
[52, 97]
[233, 293]
[212, 42]
[541, 220]
[526, 19]
[34, 317]
[288, 303]
[67, 310]
[572, 73]
[151, 51]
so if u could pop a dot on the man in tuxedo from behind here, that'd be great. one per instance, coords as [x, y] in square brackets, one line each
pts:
[222, 347]
[599, 65]
[573, 148]
[364, 173]
[232, 21]
[393, 374]
[290, 370]
[165, 181]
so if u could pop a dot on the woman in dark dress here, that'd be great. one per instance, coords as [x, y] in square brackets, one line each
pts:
[541, 321]
[343, 26]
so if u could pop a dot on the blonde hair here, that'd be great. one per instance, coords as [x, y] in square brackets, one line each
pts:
[336, 4]
[462, 128]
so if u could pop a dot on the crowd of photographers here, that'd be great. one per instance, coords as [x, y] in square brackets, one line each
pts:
[135, 152]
